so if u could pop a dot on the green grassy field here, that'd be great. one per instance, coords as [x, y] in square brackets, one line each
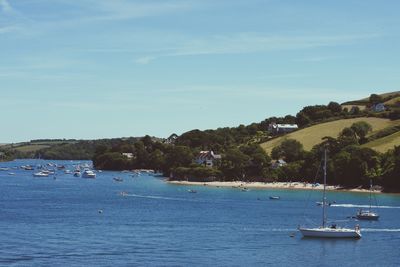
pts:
[31, 148]
[392, 101]
[385, 143]
[313, 135]
[361, 107]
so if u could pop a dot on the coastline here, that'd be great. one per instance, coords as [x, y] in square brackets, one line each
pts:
[273, 185]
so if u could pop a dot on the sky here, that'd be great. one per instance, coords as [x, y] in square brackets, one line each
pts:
[92, 69]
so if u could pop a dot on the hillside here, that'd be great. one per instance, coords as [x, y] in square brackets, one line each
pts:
[35, 145]
[389, 99]
[313, 135]
[385, 143]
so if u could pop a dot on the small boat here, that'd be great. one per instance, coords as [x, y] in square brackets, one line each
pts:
[274, 197]
[88, 174]
[192, 191]
[319, 203]
[41, 174]
[332, 231]
[4, 169]
[118, 179]
[368, 214]
[27, 168]
[67, 172]
[60, 167]
[77, 173]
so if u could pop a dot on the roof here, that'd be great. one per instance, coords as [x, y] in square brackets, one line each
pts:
[287, 126]
[208, 154]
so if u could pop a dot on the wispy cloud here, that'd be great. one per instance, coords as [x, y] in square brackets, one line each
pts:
[255, 42]
[5, 6]
[7, 29]
[122, 9]
[145, 60]
[316, 59]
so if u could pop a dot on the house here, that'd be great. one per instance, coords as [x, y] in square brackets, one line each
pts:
[128, 155]
[275, 164]
[207, 158]
[274, 128]
[171, 139]
[378, 107]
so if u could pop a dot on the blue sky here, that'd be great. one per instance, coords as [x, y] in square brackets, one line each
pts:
[98, 68]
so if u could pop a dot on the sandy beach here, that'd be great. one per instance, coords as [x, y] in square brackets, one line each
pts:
[273, 185]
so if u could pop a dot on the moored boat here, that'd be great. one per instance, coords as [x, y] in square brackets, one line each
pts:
[88, 174]
[332, 231]
[40, 174]
[368, 214]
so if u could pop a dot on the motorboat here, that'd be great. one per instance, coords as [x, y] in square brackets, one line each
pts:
[118, 179]
[77, 173]
[40, 174]
[274, 197]
[88, 174]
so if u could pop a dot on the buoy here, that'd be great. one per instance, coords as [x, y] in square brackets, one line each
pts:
[100, 211]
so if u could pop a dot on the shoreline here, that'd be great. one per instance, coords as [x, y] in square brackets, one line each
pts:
[273, 185]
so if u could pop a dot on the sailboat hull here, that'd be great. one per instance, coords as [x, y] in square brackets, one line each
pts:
[330, 232]
[367, 216]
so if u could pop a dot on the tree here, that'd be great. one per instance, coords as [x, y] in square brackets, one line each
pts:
[302, 119]
[354, 165]
[335, 107]
[361, 129]
[157, 160]
[178, 156]
[391, 178]
[355, 110]
[290, 149]
[234, 163]
[375, 99]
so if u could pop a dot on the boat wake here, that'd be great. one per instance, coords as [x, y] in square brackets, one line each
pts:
[156, 197]
[363, 206]
[380, 230]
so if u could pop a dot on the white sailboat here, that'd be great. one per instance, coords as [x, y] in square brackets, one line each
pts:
[368, 214]
[332, 231]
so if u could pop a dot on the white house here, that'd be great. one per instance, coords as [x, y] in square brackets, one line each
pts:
[282, 128]
[378, 107]
[171, 139]
[278, 163]
[128, 155]
[207, 158]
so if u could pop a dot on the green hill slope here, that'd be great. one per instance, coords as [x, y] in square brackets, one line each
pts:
[385, 143]
[313, 135]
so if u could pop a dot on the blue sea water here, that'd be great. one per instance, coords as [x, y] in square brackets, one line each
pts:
[70, 221]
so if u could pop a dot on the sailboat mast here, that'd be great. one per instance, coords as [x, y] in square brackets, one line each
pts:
[324, 197]
[370, 194]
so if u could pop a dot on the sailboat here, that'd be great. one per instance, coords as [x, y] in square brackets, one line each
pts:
[332, 231]
[368, 214]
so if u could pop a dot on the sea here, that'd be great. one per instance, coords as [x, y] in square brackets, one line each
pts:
[141, 220]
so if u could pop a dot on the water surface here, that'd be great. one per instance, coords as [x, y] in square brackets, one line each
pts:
[70, 221]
